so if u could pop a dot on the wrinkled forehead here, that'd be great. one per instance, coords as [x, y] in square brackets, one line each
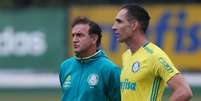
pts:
[78, 28]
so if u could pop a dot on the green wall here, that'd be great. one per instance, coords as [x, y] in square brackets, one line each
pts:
[33, 38]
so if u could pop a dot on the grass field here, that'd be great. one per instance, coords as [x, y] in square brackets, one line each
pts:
[54, 94]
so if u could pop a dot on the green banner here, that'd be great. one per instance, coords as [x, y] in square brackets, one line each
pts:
[32, 38]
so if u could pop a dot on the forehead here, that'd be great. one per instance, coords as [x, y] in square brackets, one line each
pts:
[80, 28]
[122, 14]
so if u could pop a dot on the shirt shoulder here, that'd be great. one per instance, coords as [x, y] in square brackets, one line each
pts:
[108, 67]
[163, 66]
[154, 52]
[67, 62]
[157, 53]
[105, 61]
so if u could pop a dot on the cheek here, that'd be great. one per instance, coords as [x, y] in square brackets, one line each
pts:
[85, 42]
[124, 28]
[128, 29]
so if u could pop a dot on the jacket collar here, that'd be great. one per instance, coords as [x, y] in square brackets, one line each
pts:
[92, 57]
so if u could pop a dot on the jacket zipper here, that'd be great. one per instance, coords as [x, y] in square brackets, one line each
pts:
[78, 88]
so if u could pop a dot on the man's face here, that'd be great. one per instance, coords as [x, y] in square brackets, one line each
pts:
[121, 26]
[81, 38]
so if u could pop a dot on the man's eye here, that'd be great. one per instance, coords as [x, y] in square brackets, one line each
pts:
[119, 21]
[79, 34]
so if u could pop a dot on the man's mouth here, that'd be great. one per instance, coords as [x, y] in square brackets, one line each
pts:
[75, 46]
[117, 35]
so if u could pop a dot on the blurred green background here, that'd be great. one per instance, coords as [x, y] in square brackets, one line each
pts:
[35, 39]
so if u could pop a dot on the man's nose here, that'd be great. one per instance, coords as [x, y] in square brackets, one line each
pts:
[114, 27]
[75, 39]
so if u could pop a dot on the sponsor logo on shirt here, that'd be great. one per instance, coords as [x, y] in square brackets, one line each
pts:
[128, 85]
[67, 82]
[93, 79]
[166, 65]
[136, 66]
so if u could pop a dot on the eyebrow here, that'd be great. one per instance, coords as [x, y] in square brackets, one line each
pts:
[77, 33]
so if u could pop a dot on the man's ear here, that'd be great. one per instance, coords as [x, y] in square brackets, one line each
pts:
[134, 25]
[94, 38]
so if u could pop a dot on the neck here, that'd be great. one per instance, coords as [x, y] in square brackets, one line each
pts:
[90, 51]
[135, 42]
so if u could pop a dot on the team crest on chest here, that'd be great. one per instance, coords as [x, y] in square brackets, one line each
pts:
[136, 66]
[93, 79]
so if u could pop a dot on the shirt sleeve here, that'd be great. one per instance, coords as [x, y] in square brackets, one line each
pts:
[61, 76]
[164, 67]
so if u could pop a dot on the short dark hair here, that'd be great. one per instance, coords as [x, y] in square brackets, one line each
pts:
[135, 11]
[94, 28]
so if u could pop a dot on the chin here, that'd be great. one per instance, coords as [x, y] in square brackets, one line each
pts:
[121, 41]
[76, 51]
